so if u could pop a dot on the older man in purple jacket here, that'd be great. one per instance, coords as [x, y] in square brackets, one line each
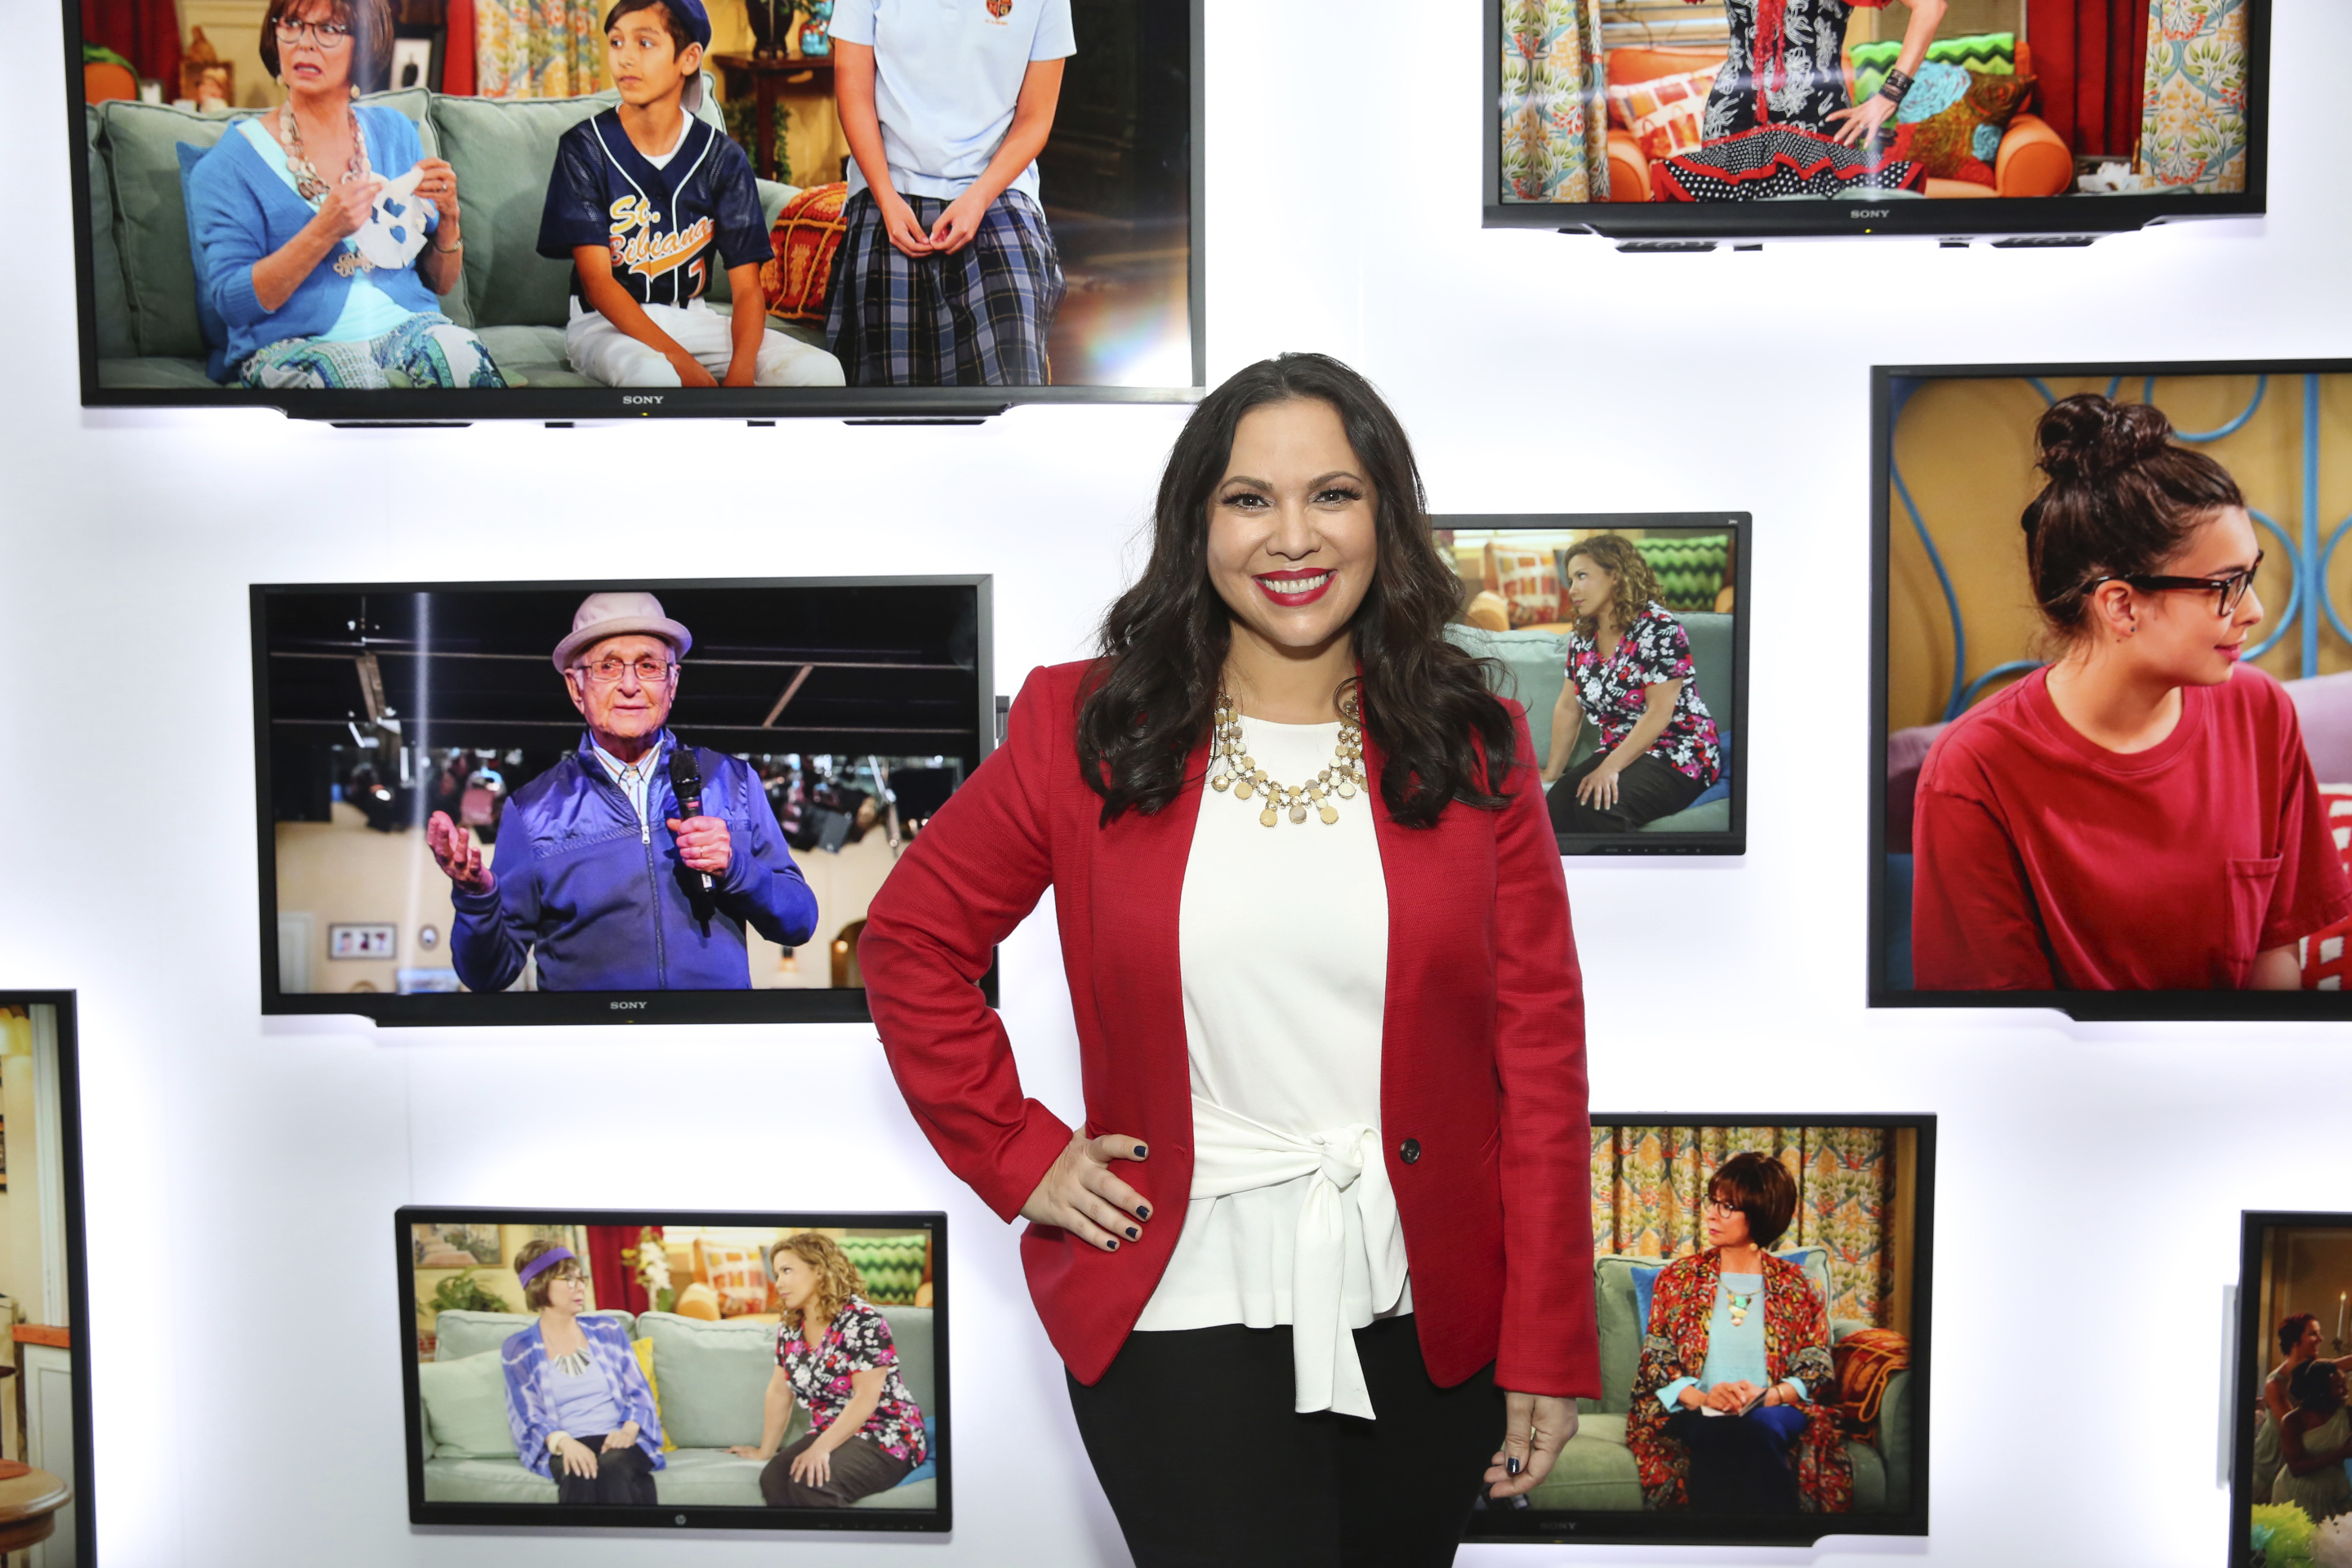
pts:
[598, 868]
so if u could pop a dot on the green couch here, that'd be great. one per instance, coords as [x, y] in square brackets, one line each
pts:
[516, 299]
[709, 1381]
[1534, 668]
[1596, 1470]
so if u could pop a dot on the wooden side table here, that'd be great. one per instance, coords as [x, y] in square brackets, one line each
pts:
[768, 79]
[28, 1509]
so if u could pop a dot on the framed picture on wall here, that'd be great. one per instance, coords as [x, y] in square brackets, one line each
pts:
[457, 1245]
[2111, 705]
[416, 56]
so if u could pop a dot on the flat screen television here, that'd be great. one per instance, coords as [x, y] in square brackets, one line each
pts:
[1087, 286]
[45, 1432]
[1523, 578]
[1846, 1205]
[2294, 1277]
[2112, 888]
[645, 1369]
[1670, 124]
[464, 818]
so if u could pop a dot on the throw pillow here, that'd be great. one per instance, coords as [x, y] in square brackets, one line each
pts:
[465, 1407]
[2322, 952]
[735, 1273]
[644, 1350]
[1957, 132]
[1527, 581]
[1663, 114]
[1995, 54]
[804, 236]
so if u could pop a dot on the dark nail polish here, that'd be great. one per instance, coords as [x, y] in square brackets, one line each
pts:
[1140, 1150]
[1511, 1466]
[1143, 1211]
[1132, 1233]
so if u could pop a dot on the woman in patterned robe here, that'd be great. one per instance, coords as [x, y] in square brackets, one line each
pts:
[1787, 67]
[1774, 1447]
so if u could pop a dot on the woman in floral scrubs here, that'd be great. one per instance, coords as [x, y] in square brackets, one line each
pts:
[833, 1354]
[1629, 671]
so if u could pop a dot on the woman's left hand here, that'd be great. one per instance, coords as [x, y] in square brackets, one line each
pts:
[439, 186]
[626, 1437]
[813, 1467]
[1535, 1427]
[1598, 789]
[1863, 121]
[956, 225]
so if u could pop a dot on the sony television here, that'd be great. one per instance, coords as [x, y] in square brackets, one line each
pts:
[45, 1422]
[2197, 913]
[1676, 124]
[1091, 292]
[645, 1369]
[1845, 1205]
[471, 807]
[1589, 619]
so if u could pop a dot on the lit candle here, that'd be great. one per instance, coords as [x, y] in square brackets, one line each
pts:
[2340, 1299]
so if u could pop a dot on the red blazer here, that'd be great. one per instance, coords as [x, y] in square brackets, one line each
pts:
[1482, 1052]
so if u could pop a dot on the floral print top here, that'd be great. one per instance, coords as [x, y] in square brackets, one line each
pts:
[1613, 689]
[857, 1341]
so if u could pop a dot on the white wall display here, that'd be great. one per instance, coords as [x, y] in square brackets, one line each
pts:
[247, 1397]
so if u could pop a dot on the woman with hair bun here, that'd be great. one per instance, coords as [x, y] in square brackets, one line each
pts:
[2139, 814]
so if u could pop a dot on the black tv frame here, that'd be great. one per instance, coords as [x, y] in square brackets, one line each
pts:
[1611, 1527]
[2084, 1007]
[562, 406]
[1740, 525]
[936, 1521]
[2009, 222]
[77, 1250]
[389, 1009]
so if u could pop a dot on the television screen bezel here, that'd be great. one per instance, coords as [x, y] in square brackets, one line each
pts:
[453, 1009]
[1611, 1527]
[939, 1521]
[566, 405]
[1742, 525]
[2031, 221]
[76, 1258]
[2084, 1007]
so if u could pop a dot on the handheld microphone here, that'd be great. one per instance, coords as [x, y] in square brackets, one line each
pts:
[686, 782]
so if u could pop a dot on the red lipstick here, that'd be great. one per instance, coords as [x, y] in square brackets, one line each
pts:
[1275, 585]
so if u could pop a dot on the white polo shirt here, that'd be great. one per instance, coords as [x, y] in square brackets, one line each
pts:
[947, 74]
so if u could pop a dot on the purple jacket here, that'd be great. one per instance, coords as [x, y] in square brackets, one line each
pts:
[610, 907]
[530, 1414]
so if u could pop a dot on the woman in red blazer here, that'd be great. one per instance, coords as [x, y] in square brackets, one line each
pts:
[1331, 1021]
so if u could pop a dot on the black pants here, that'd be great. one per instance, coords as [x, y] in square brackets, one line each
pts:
[859, 1469]
[1207, 1465]
[1647, 791]
[623, 1475]
[1738, 1464]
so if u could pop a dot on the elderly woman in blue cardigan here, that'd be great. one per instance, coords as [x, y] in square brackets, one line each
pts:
[274, 205]
[581, 1410]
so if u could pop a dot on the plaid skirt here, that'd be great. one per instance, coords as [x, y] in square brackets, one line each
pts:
[977, 318]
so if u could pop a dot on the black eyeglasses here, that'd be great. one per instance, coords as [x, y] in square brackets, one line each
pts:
[2228, 592]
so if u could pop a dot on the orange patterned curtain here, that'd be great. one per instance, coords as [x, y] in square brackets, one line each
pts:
[538, 48]
[1649, 1182]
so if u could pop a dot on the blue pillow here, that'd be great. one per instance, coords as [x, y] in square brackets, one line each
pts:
[1721, 788]
[931, 1464]
[208, 320]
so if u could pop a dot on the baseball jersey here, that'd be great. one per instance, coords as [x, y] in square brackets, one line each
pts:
[665, 226]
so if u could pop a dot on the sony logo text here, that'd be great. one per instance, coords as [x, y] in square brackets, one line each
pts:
[629, 1006]
[1868, 211]
[632, 400]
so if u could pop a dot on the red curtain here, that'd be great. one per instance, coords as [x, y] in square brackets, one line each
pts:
[2092, 58]
[144, 32]
[458, 49]
[616, 1282]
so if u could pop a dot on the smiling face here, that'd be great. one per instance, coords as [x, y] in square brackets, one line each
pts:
[2308, 1346]
[1293, 528]
[623, 713]
[644, 59]
[2181, 635]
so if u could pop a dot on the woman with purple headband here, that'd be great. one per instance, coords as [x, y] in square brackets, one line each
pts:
[581, 1410]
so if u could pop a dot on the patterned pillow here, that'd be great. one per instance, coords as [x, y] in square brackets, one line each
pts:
[1663, 114]
[1994, 54]
[1528, 581]
[2323, 966]
[803, 238]
[1952, 121]
[735, 1273]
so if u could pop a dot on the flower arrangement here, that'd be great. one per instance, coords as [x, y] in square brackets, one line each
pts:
[650, 1261]
[2282, 1536]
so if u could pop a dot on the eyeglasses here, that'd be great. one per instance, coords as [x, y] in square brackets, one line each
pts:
[1720, 1209]
[324, 35]
[2228, 592]
[651, 671]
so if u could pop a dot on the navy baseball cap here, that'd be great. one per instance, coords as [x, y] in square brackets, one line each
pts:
[696, 20]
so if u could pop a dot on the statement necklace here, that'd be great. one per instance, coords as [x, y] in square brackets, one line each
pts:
[1234, 769]
[1740, 1305]
[307, 179]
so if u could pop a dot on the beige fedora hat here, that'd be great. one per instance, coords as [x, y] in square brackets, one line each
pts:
[602, 615]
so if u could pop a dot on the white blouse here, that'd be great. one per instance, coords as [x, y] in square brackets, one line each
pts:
[1283, 943]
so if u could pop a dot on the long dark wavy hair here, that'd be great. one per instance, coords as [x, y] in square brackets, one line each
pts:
[1152, 693]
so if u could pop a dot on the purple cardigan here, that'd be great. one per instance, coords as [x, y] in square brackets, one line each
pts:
[531, 1415]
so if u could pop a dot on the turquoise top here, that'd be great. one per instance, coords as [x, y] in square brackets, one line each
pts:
[1735, 1352]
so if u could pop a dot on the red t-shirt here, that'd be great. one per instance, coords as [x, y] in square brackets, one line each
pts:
[2047, 862]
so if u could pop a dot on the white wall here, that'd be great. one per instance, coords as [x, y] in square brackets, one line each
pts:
[2090, 1178]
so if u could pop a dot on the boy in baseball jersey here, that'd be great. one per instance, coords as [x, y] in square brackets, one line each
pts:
[645, 199]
